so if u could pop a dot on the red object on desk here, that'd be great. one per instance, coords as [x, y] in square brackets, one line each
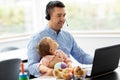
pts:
[22, 68]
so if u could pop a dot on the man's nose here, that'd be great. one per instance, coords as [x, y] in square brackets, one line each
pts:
[62, 19]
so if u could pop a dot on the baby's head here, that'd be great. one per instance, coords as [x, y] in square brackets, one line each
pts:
[47, 46]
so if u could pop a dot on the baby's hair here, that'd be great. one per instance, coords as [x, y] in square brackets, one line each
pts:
[43, 47]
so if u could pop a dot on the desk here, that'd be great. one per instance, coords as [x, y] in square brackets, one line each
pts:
[20, 53]
[115, 75]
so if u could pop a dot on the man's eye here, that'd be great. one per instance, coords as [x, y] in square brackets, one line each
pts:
[59, 16]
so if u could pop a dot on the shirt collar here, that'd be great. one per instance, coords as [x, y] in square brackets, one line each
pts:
[50, 30]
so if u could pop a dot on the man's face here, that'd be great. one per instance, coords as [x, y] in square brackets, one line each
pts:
[57, 18]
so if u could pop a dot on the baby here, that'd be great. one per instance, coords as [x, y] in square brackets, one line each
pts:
[47, 48]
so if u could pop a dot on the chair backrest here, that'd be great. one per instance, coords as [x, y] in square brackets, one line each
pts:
[9, 69]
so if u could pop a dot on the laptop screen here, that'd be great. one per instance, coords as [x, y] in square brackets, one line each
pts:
[105, 60]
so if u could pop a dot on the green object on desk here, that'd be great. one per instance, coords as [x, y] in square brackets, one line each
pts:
[23, 79]
[23, 76]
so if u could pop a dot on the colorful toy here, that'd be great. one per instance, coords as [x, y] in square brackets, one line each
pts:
[60, 65]
[23, 75]
[76, 73]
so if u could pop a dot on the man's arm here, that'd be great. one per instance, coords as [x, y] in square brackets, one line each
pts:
[33, 57]
[80, 55]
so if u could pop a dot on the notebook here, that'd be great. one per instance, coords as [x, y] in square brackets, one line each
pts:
[105, 61]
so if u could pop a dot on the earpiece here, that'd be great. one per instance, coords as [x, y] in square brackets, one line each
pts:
[50, 6]
[47, 15]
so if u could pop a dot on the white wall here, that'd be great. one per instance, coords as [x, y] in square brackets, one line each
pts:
[90, 42]
[87, 42]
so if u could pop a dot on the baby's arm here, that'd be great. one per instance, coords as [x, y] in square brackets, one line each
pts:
[55, 60]
[65, 58]
[44, 67]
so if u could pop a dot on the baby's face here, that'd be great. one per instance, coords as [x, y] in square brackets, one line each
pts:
[53, 44]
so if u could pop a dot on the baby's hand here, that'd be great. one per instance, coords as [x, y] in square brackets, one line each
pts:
[55, 60]
[69, 65]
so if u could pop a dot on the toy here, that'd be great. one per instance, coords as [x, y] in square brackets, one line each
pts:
[60, 65]
[79, 73]
[76, 73]
[62, 73]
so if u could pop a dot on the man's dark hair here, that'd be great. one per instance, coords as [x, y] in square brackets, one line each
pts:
[50, 7]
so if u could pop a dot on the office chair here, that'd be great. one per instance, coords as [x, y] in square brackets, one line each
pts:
[9, 69]
[25, 62]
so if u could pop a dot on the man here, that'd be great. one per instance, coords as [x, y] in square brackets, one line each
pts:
[55, 14]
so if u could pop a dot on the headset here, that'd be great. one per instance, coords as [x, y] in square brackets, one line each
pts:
[50, 6]
[48, 11]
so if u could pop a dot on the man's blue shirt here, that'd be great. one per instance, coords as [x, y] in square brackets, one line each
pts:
[66, 43]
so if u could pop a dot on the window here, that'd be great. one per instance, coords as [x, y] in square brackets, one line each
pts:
[28, 16]
[93, 15]
[15, 17]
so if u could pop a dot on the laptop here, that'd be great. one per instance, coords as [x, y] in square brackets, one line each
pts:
[105, 61]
